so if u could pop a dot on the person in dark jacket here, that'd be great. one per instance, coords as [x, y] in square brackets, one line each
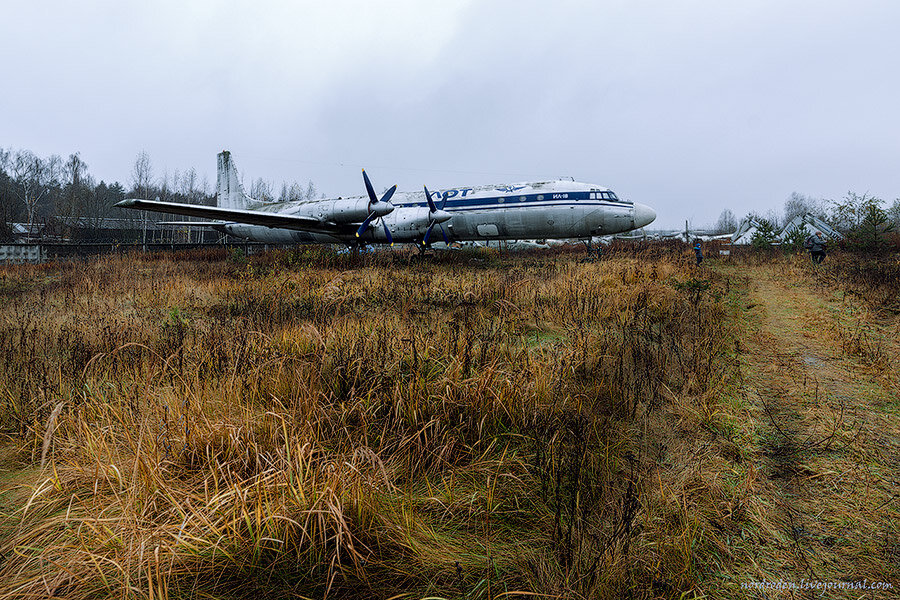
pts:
[816, 244]
[698, 252]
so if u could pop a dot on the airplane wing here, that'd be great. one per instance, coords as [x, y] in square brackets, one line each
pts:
[192, 223]
[235, 215]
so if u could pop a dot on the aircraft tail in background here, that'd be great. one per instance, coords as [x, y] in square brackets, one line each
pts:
[229, 191]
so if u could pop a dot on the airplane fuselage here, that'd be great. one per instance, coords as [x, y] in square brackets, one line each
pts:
[546, 210]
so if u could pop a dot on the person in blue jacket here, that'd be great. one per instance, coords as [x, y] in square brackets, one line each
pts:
[698, 252]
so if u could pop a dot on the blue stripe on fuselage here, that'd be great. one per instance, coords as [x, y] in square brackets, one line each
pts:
[553, 198]
[532, 205]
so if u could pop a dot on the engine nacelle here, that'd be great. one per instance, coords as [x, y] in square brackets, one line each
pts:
[411, 221]
[416, 221]
[350, 210]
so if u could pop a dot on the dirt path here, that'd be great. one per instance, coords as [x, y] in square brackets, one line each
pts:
[828, 432]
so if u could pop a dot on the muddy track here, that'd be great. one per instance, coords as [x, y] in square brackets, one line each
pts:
[828, 443]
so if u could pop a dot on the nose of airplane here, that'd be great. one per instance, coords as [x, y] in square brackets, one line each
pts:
[643, 215]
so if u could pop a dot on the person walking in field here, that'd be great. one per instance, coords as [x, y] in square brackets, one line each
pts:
[698, 252]
[816, 244]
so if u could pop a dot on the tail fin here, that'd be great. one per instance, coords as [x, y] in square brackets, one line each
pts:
[229, 191]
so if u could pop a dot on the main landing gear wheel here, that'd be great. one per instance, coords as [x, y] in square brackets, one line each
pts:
[593, 255]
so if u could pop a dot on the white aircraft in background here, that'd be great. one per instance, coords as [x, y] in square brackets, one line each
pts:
[543, 210]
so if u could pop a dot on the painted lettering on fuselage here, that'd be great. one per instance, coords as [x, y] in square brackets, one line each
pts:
[461, 192]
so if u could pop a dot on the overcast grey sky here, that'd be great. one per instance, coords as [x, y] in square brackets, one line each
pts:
[689, 106]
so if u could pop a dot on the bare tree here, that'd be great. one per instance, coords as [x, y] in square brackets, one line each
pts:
[94, 203]
[74, 198]
[56, 169]
[164, 190]
[54, 182]
[774, 218]
[296, 192]
[261, 190]
[800, 204]
[142, 175]
[142, 178]
[29, 172]
[727, 222]
[5, 159]
[75, 169]
[8, 208]
[177, 176]
[188, 184]
[311, 191]
[205, 188]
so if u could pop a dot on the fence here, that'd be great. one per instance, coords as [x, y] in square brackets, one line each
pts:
[22, 253]
[38, 253]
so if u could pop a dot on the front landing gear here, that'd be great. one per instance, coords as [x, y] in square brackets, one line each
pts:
[593, 254]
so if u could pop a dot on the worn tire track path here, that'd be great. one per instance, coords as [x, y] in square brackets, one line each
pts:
[828, 439]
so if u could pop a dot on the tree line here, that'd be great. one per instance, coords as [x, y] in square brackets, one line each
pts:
[51, 193]
[866, 221]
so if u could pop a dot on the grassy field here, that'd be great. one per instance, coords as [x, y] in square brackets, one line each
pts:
[308, 424]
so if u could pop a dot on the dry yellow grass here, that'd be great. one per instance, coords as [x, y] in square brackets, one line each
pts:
[304, 424]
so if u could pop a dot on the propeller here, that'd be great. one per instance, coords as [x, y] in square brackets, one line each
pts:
[377, 209]
[436, 216]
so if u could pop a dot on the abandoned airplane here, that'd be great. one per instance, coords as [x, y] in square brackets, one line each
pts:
[544, 210]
